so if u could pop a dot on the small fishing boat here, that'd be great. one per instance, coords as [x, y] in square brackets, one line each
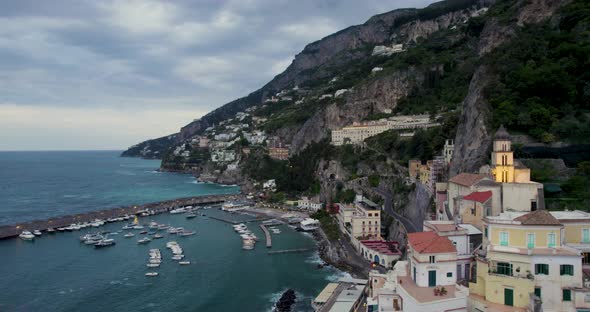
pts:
[184, 262]
[26, 235]
[153, 265]
[191, 215]
[158, 236]
[128, 235]
[51, 230]
[155, 260]
[177, 257]
[151, 274]
[37, 233]
[143, 232]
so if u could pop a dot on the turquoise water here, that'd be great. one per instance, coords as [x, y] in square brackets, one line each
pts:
[58, 273]
[40, 185]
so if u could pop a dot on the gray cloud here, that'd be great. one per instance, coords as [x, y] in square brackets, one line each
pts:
[188, 56]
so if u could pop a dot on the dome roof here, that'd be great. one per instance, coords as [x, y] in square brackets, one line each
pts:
[502, 134]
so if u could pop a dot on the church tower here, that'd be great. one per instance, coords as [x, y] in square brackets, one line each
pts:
[502, 157]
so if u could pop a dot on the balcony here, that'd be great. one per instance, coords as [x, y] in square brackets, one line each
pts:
[501, 270]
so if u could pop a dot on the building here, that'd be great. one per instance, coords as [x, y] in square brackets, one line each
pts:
[381, 252]
[280, 153]
[203, 142]
[426, 282]
[346, 295]
[524, 266]
[474, 207]
[448, 149]
[307, 203]
[358, 132]
[414, 169]
[360, 221]
[270, 185]
[576, 232]
[221, 155]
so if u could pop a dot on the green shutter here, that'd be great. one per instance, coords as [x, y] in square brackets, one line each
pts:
[567, 295]
[566, 269]
[538, 292]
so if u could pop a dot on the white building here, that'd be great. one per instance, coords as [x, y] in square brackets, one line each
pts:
[307, 203]
[220, 155]
[358, 132]
[269, 185]
[425, 283]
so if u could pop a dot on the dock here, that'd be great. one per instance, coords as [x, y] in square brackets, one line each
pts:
[233, 221]
[267, 234]
[7, 231]
[274, 252]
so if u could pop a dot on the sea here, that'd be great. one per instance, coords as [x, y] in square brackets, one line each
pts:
[56, 272]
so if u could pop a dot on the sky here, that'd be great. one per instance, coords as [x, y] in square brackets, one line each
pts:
[89, 74]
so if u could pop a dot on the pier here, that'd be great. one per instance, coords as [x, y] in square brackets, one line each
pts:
[7, 231]
[274, 252]
[267, 234]
[233, 221]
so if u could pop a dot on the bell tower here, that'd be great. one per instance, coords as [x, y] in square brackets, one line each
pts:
[502, 157]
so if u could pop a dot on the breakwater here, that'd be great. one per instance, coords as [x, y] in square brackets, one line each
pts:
[8, 231]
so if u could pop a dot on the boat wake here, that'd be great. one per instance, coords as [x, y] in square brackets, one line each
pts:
[337, 275]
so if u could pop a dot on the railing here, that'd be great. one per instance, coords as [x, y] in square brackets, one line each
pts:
[509, 272]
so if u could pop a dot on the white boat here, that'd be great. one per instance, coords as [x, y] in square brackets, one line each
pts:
[177, 257]
[127, 235]
[186, 233]
[153, 265]
[177, 210]
[184, 262]
[128, 227]
[105, 242]
[51, 230]
[309, 224]
[157, 236]
[144, 240]
[37, 233]
[151, 274]
[26, 235]
[155, 260]
[138, 227]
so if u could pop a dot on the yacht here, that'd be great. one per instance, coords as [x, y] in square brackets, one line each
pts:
[186, 233]
[248, 244]
[191, 215]
[309, 224]
[128, 227]
[143, 232]
[50, 230]
[104, 243]
[153, 265]
[177, 257]
[153, 225]
[155, 260]
[177, 210]
[26, 235]
[144, 240]
[37, 233]
[129, 235]
[138, 227]
[157, 236]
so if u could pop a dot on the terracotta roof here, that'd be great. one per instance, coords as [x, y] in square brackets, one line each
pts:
[538, 217]
[430, 242]
[480, 197]
[467, 179]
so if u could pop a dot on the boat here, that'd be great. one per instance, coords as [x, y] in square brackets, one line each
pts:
[248, 244]
[275, 231]
[26, 235]
[51, 230]
[37, 233]
[177, 257]
[151, 274]
[129, 235]
[309, 224]
[104, 243]
[177, 210]
[191, 215]
[158, 236]
[138, 227]
[153, 225]
[143, 232]
[186, 233]
[144, 240]
[153, 265]
[163, 227]
[184, 262]
[155, 260]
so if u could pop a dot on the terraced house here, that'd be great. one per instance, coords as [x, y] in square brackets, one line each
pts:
[525, 266]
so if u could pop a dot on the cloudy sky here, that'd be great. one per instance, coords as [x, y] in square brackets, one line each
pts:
[86, 74]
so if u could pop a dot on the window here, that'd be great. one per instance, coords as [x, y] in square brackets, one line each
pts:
[449, 274]
[485, 232]
[504, 238]
[432, 259]
[566, 269]
[541, 268]
[567, 295]
[504, 268]
[538, 292]
[586, 258]
[585, 235]
[533, 205]
[530, 240]
[551, 240]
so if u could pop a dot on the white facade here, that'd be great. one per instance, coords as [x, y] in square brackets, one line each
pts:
[219, 155]
[306, 203]
[269, 185]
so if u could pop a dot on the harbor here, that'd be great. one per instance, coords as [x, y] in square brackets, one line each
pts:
[117, 274]
[8, 231]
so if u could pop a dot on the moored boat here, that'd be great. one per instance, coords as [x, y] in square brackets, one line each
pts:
[144, 240]
[151, 274]
[26, 235]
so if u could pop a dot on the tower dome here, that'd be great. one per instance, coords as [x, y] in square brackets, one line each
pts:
[502, 134]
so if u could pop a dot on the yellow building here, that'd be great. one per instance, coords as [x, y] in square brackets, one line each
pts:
[360, 221]
[523, 266]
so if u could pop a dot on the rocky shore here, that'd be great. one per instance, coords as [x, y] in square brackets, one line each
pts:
[339, 254]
